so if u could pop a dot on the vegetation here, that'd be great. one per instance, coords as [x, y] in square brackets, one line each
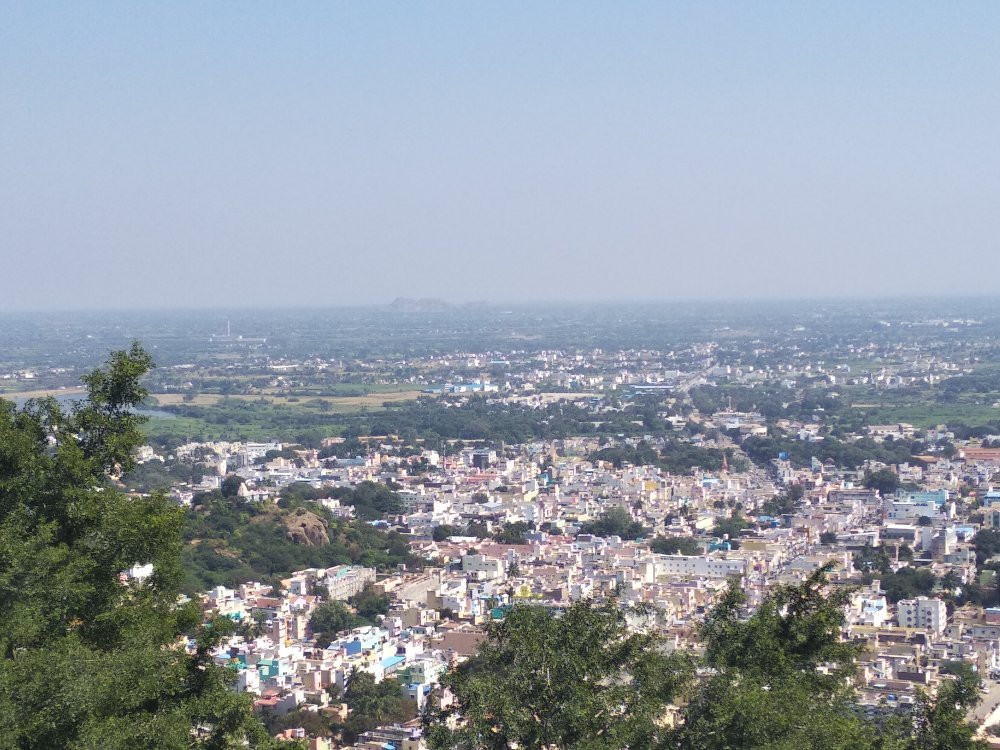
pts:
[907, 583]
[885, 481]
[579, 679]
[330, 619]
[229, 541]
[675, 545]
[370, 604]
[847, 455]
[786, 502]
[512, 533]
[987, 544]
[730, 527]
[615, 521]
[676, 457]
[777, 679]
[87, 661]
[372, 704]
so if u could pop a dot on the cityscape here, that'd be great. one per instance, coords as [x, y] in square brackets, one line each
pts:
[514, 376]
[377, 507]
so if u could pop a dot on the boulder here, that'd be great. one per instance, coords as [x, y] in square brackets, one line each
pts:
[305, 527]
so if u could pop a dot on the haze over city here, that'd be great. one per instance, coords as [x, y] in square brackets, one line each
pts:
[190, 155]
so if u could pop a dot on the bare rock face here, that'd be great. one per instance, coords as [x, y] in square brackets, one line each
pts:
[305, 527]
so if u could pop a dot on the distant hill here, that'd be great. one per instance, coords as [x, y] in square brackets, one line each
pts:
[407, 304]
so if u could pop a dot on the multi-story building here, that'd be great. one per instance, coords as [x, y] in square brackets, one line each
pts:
[922, 612]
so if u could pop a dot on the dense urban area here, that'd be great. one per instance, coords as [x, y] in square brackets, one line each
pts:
[433, 526]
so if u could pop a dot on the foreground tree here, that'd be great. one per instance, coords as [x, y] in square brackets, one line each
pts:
[577, 679]
[777, 679]
[780, 677]
[88, 658]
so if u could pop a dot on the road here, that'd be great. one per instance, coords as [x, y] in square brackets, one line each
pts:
[987, 712]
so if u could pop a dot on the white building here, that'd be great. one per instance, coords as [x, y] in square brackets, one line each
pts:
[929, 614]
[699, 566]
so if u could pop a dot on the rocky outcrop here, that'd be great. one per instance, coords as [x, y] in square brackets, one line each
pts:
[305, 527]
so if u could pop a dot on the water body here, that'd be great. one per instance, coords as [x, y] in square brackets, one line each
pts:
[67, 400]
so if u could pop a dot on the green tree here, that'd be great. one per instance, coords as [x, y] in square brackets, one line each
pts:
[442, 532]
[372, 704]
[907, 583]
[370, 604]
[884, 481]
[778, 679]
[785, 502]
[615, 521]
[767, 688]
[987, 544]
[730, 527]
[675, 545]
[87, 660]
[231, 485]
[577, 679]
[941, 723]
[330, 619]
[512, 533]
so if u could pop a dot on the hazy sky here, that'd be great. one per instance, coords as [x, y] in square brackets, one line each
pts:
[295, 153]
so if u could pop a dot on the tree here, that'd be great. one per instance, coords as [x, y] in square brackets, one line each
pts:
[884, 481]
[442, 532]
[778, 678]
[330, 619]
[477, 529]
[907, 583]
[231, 485]
[871, 559]
[576, 679]
[785, 502]
[614, 521]
[828, 537]
[372, 704]
[87, 661]
[370, 604]
[730, 527]
[677, 545]
[512, 533]
[987, 544]
[940, 723]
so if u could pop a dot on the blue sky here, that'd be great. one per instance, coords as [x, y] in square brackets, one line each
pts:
[217, 154]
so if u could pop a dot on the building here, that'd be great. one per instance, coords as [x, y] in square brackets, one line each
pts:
[699, 567]
[344, 581]
[922, 612]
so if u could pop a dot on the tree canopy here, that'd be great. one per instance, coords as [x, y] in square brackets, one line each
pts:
[614, 521]
[88, 657]
[675, 545]
[777, 679]
[576, 679]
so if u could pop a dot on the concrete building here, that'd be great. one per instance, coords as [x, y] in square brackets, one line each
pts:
[922, 612]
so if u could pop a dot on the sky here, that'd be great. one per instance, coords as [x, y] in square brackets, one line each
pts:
[182, 154]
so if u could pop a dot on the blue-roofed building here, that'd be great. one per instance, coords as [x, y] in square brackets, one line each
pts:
[392, 663]
[938, 497]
